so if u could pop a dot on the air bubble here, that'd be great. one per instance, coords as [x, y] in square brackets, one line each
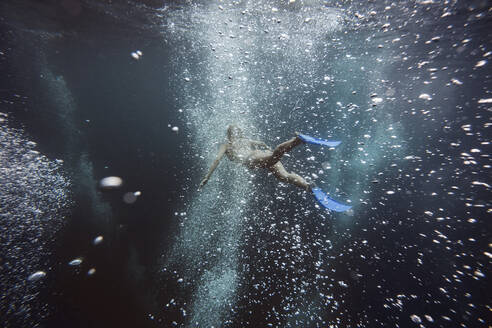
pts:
[112, 182]
[37, 276]
[480, 63]
[75, 262]
[129, 198]
[415, 318]
[98, 240]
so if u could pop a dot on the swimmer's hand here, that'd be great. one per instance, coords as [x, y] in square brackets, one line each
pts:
[204, 182]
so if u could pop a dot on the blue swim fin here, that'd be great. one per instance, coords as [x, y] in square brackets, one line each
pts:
[318, 141]
[327, 202]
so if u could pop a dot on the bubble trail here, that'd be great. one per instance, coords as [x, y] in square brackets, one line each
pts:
[206, 250]
[30, 217]
[251, 64]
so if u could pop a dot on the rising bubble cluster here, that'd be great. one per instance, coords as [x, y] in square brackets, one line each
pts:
[255, 252]
[33, 198]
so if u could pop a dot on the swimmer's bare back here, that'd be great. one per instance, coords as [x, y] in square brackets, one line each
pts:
[256, 154]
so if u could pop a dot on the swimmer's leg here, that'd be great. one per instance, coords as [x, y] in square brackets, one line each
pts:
[284, 147]
[281, 173]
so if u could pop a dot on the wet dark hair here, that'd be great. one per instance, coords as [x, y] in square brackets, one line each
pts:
[234, 132]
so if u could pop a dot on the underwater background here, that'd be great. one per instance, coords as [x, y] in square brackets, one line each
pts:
[144, 90]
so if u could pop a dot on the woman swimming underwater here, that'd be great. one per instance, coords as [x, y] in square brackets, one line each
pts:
[256, 154]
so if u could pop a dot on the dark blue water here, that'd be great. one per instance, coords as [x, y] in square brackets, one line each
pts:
[404, 85]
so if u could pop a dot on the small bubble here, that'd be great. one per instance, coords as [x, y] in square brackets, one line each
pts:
[479, 273]
[342, 283]
[75, 262]
[37, 276]
[415, 318]
[110, 183]
[478, 183]
[326, 166]
[456, 81]
[429, 318]
[481, 63]
[129, 198]
[98, 240]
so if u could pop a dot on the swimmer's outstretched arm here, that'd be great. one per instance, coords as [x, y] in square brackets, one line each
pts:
[221, 153]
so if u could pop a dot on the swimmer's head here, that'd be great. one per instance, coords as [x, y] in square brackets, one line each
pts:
[234, 132]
